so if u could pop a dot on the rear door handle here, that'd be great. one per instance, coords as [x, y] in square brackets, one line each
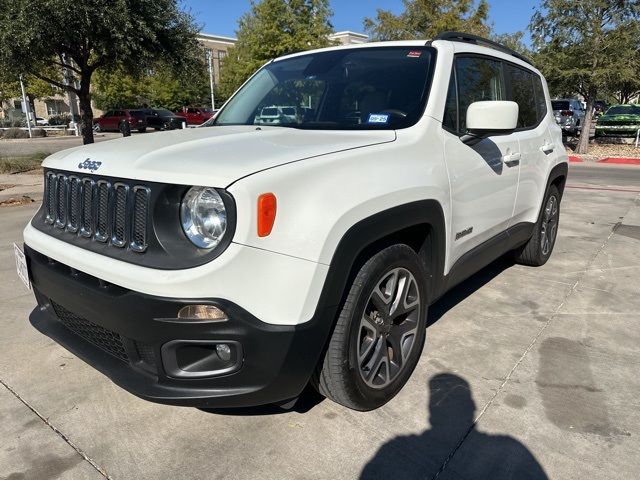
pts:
[547, 148]
[512, 159]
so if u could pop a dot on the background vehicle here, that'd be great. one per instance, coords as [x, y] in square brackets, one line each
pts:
[195, 115]
[569, 114]
[162, 119]
[114, 120]
[234, 265]
[619, 120]
[277, 114]
[42, 122]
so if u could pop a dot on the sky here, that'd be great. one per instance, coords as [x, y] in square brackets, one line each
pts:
[220, 17]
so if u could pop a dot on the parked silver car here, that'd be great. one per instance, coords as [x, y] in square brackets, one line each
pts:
[569, 114]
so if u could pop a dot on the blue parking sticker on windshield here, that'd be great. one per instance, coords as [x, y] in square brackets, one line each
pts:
[378, 118]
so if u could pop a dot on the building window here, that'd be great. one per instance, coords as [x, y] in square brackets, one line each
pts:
[222, 54]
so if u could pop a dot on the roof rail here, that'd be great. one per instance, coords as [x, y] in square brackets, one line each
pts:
[476, 40]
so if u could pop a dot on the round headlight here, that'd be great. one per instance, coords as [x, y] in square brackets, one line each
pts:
[203, 216]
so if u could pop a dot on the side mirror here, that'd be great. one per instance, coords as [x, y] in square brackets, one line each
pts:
[489, 117]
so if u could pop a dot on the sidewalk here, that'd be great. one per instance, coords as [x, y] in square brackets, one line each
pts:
[21, 187]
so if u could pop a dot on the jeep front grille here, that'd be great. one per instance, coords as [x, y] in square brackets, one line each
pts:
[116, 214]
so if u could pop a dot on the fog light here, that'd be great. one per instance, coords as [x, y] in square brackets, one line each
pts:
[224, 352]
[203, 313]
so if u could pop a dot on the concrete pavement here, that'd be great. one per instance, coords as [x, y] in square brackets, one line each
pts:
[527, 373]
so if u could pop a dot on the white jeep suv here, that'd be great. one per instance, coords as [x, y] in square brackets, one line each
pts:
[236, 264]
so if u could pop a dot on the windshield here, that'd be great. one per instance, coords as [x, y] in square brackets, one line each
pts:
[164, 113]
[136, 113]
[624, 110]
[365, 88]
[560, 105]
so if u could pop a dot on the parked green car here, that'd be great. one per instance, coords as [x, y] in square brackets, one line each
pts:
[619, 121]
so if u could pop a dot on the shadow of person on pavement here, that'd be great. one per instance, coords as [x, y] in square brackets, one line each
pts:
[451, 414]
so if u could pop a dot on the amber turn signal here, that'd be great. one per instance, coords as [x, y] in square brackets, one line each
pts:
[202, 313]
[267, 207]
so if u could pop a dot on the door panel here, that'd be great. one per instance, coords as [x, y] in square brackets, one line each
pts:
[483, 189]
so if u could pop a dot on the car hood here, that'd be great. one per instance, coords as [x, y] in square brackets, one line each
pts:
[620, 118]
[211, 156]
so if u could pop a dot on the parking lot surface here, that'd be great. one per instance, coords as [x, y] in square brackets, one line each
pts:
[532, 370]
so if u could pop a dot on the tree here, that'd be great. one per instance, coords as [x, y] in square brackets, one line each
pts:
[581, 46]
[624, 81]
[89, 36]
[160, 86]
[273, 28]
[423, 19]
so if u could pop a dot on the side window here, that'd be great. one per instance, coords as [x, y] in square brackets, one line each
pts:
[450, 119]
[541, 101]
[523, 94]
[192, 110]
[479, 79]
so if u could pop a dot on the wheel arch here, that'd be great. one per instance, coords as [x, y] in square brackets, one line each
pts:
[558, 177]
[419, 224]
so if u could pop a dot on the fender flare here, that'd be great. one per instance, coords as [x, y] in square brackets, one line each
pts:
[373, 229]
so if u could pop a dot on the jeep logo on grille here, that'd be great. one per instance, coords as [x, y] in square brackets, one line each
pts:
[89, 165]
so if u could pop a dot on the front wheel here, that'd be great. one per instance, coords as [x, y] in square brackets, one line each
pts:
[538, 249]
[379, 335]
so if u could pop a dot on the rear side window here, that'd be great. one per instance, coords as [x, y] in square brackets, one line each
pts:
[541, 100]
[522, 92]
[478, 79]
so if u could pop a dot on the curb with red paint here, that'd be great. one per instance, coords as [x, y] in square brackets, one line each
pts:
[574, 159]
[621, 160]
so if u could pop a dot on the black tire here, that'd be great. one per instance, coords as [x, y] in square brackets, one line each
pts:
[534, 253]
[341, 373]
[142, 130]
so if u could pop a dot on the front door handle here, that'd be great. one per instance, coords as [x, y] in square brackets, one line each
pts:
[547, 148]
[512, 159]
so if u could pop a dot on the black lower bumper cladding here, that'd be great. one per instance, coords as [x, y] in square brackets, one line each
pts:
[121, 333]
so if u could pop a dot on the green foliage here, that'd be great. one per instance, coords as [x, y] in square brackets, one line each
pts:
[273, 28]
[424, 19]
[90, 35]
[161, 86]
[60, 119]
[582, 47]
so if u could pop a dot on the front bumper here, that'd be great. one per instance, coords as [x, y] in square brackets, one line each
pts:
[121, 333]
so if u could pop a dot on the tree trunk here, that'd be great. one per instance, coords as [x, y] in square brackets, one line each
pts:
[583, 142]
[86, 112]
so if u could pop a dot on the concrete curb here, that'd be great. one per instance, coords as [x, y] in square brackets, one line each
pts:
[608, 160]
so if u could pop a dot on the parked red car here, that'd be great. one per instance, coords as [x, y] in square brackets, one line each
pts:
[195, 115]
[114, 120]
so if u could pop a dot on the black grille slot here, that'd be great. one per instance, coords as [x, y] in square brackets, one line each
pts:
[73, 222]
[61, 201]
[50, 197]
[110, 342]
[116, 214]
[102, 211]
[140, 214]
[87, 208]
[119, 238]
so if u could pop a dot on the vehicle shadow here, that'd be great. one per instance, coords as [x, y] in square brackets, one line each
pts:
[467, 288]
[451, 412]
[309, 398]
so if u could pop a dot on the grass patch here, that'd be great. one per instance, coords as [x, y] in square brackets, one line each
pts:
[22, 164]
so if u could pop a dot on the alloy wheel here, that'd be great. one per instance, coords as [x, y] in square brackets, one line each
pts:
[549, 227]
[388, 328]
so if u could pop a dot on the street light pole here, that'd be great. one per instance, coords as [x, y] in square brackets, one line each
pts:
[209, 54]
[25, 102]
